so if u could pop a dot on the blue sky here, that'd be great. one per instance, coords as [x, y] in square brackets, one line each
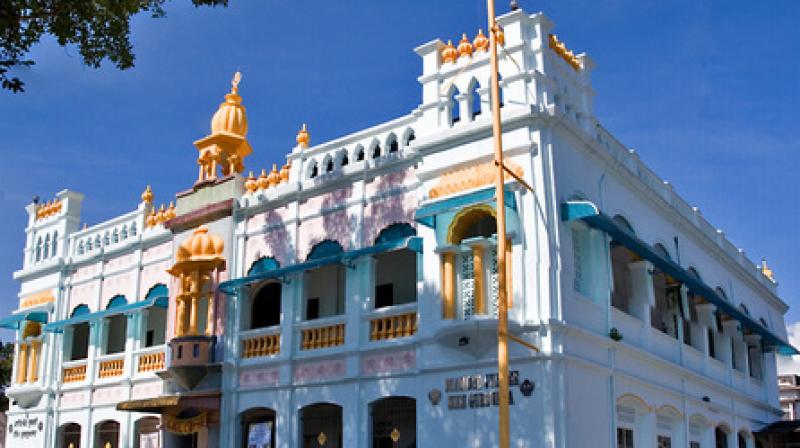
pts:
[706, 92]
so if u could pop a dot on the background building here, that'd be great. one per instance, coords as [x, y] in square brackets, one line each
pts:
[348, 298]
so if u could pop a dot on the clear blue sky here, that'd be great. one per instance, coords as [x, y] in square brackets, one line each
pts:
[706, 92]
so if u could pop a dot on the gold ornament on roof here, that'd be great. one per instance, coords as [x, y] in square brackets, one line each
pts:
[449, 53]
[481, 42]
[170, 213]
[251, 184]
[263, 180]
[567, 55]
[303, 138]
[152, 219]
[464, 46]
[766, 271]
[274, 178]
[226, 147]
[500, 35]
[48, 209]
[161, 215]
[147, 195]
[285, 173]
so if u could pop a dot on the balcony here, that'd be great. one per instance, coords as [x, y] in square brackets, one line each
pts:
[394, 322]
[110, 366]
[151, 359]
[322, 333]
[73, 372]
[261, 342]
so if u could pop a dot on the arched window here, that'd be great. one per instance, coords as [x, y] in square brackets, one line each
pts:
[146, 427]
[621, 259]
[155, 331]
[321, 425]
[391, 143]
[360, 153]
[38, 249]
[107, 434]
[46, 252]
[376, 151]
[329, 164]
[324, 286]
[475, 97]
[265, 310]
[343, 159]
[313, 170]
[664, 315]
[69, 435]
[261, 420]
[410, 137]
[395, 271]
[54, 250]
[455, 109]
[79, 335]
[741, 438]
[720, 437]
[116, 327]
[396, 415]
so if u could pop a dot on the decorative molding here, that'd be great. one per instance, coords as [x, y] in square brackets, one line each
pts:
[400, 361]
[319, 371]
[37, 299]
[470, 177]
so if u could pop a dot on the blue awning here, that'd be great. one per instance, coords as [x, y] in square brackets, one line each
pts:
[412, 243]
[13, 321]
[591, 215]
[427, 213]
[58, 326]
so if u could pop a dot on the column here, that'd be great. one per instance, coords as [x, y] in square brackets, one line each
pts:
[22, 364]
[448, 281]
[180, 316]
[193, 315]
[480, 296]
[33, 362]
[510, 272]
[210, 323]
[642, 294]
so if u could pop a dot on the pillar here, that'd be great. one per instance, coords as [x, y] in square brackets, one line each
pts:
[210, 314]
[193, 315]
[180, 316]
[480, 287]
[33, 361]
[509, 272]
[448, 285]
[22, 364]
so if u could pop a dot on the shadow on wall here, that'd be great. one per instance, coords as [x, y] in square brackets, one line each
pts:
[390, 210]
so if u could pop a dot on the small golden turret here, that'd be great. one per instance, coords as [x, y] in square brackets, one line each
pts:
[263, 180]
[500, 36]
[449, 52]
[285, 173]
[147, 195]
[251, 185]
[303, 138]
[274, 178]
[481, 42]
[152, 219]
[161, 215]
[464, 47]
[170, 213]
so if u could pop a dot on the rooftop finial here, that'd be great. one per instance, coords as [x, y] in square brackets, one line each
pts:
[237, 78]
[303, 137]
[767, 271]
[514, 5]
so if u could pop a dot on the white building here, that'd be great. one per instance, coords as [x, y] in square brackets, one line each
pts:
[348, 299]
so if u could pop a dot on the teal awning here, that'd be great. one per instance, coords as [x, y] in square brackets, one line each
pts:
[427, 213]
[412, 243]
[591, 215]
[58, 326]
[13, 321]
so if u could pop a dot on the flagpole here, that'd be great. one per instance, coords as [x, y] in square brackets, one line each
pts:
[502, 299]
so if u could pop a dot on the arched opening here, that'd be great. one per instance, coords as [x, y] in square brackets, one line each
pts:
[469, 273]
[391, 144]
[107, 434]
[343, 159]
[265, 310]
[667, 292]
[321, 426]
[156, 317]
[116, 326]
[410, 137]
[668, 424]
[376, 150]
[324, 285]
[258, 428]
[147, 433]
[54, 247]
[38, 249]
[475, 98]
[79, 335]
[313, 169]
[631, 412]
[395, 271]
[720, 437]
[741, 439]
[329, 164]
[621, 260]
[453, 105]
[46, 252]
[69, 436]
[394, 422]
[360, 153]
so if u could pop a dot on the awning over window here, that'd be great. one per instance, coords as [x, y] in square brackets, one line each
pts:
[591, 215]
[58, 326]
[13, 321]
[413, 243]
[427, 213]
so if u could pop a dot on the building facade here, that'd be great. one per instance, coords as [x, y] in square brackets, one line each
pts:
[348, 298]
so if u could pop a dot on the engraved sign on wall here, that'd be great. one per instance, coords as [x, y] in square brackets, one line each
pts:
[479, 391]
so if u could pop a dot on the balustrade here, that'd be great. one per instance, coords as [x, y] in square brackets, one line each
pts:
[261, 345]
[393, 327]
[74, 374]
[111, 368]
[150, 362]
[322, 337]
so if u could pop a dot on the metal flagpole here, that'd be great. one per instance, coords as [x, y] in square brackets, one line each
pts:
[502, 299]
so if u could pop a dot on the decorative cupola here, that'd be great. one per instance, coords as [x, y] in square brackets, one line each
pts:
[226, 147]
[303, 137]
[449, 53]
[464, 47]
[481, 42]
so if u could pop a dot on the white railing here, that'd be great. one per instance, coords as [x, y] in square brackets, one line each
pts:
[261, 342]
[322, 333]
[110, 366]
[150, 359]
[114, 232]
[393, 322]
[73, 371]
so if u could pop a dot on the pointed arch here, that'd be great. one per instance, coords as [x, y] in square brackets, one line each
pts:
[408, 136]
[327, 163]
[313, 169]
[474, 98]
[391, 143]
[453, 104]
[342, 159]
[359, 153]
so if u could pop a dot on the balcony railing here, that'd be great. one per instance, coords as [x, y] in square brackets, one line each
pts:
[152, 360]
[261, 342]
[393, 322]
[110, 368]
[74, 372]
[322, 336]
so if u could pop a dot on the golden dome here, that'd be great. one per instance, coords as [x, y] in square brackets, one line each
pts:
[251, 185]
[285, 173]
[303, 138]
[147, 195]
[170, 213]
[449, 52]
[274, 178]
[263, 180]
[161, 216]
[481, 42]
[464, 47]
[201, 246]
[231, 117]
[152, 220]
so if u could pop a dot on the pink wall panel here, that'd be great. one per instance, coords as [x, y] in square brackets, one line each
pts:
[380, 214]
[120, 284]
[152, 275]
[156, 252]
[337, 226]
[267, 219]
[276, 243]
[388, 181]
[83, 294]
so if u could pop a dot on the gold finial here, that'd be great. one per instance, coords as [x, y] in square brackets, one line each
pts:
[161, 216]
[274, 178]
[464, 47]
[500, 35]
[170, 213]
[237, 78]
[767, 271]
[481, 43]
[449, 52]
[251, 185]
[147, 195]
[285, 173]
[263, 180]
[303, 137]
[152, 219]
